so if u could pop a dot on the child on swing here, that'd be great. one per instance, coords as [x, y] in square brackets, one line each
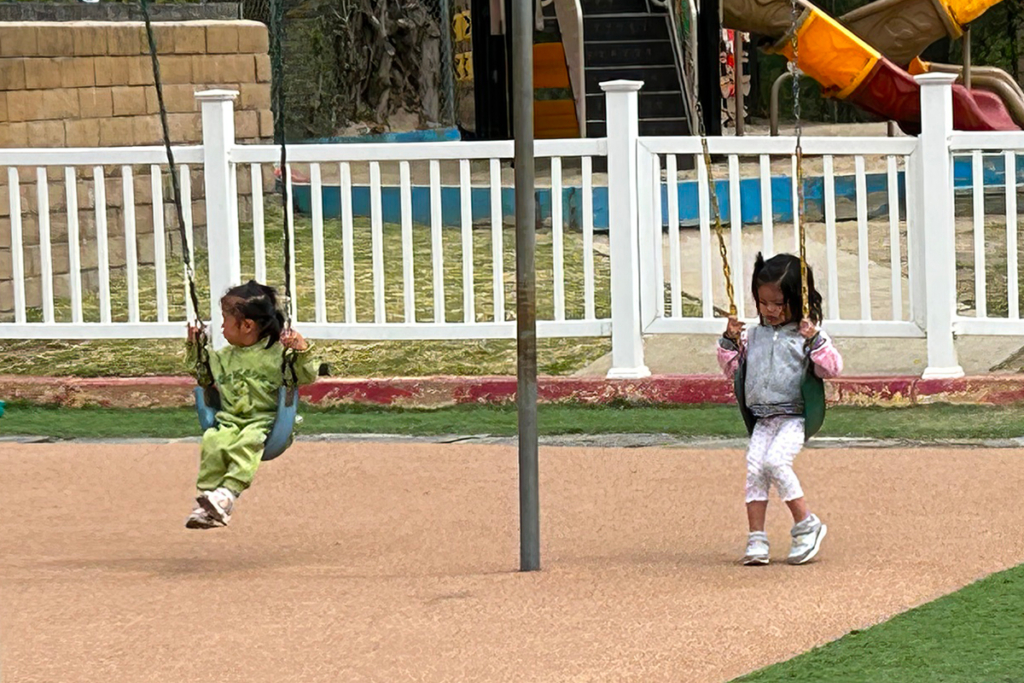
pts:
[247, 373]
[778, 353]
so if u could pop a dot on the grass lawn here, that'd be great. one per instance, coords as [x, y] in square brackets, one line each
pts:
[975, 635]
[923, 422]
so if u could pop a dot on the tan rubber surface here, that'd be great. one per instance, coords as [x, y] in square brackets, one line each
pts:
[384, 562]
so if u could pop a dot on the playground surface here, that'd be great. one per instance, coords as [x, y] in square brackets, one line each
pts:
[385, 562]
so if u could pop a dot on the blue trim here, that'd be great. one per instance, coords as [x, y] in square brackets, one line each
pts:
[572, 205]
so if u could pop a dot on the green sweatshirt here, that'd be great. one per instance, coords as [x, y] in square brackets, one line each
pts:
[248, 379]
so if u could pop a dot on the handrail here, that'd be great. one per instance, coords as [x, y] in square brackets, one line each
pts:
[684, 44]
[571, 28]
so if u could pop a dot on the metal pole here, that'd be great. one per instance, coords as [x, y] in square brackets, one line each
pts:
[526, 284]
[447, 63]
[737, 74]
[967, 57]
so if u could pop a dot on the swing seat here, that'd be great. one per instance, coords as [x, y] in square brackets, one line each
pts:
[812, 390]
[280, 436]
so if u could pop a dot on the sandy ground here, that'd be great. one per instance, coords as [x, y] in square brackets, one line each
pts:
[395, 562]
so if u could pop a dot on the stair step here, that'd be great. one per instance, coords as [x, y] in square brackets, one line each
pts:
[612, 6]
[652, 105]
[625, 27]
[608, 53]
[657, 78]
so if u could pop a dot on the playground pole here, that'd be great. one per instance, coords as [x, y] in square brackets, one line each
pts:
[526, 284]
[967, 56]
[737, 74]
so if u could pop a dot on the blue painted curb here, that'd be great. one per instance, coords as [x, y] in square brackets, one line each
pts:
[572, 198]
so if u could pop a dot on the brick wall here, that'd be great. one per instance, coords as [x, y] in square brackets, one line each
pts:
[90, 84]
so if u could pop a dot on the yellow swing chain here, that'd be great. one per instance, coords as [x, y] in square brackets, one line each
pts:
[723, 252]
[799, 180]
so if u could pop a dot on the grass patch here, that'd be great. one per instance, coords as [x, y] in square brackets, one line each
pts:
[923, 422]
[973, 635]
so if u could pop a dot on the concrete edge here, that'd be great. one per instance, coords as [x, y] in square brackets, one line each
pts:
[439, 391]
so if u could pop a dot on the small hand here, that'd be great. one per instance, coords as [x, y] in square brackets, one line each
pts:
[293, 340]
[734, 329]
[194, 332]
[808, 329]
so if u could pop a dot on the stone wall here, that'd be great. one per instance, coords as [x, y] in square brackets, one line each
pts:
[90, 84]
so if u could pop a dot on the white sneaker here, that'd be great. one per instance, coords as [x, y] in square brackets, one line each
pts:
[757, 549]
[218, 504]
[807, 537]
[201, 519]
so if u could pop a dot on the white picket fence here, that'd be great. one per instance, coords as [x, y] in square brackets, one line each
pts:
[884, 249]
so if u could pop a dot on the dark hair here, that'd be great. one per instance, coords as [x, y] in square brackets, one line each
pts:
[256, 302]
[784, 270]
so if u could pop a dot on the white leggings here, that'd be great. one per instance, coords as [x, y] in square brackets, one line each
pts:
[773, 446]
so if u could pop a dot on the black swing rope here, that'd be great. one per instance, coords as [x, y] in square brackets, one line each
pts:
[204, 371]
[277, 99]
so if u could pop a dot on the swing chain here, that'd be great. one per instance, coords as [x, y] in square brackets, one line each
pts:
[713, 195]
[798, 210]
[277, 95]
[726, 270]
[203, 371]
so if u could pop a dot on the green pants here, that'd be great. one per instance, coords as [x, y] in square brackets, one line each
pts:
[230, 455]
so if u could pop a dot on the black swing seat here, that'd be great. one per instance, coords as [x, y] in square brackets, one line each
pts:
[280, 436]
[812, 390]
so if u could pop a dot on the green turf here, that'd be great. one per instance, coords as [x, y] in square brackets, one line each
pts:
[923, 422]
[975, 635]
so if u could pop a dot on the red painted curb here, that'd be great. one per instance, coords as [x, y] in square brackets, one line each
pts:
[144, 392]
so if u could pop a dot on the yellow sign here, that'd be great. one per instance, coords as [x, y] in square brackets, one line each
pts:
[464, 66]
[462, 26]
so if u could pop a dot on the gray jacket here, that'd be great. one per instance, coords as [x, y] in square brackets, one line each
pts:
[777, 360]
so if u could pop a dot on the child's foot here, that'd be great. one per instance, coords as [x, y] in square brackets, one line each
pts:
[757, 549]
[201, 519]
[218, 504]
[807, 537]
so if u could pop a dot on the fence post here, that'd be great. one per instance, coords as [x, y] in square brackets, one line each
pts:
[221, 212]
[937, 219]
[917, 237]
[623, 229]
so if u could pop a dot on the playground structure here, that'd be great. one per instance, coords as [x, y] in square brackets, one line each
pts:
[869, 57]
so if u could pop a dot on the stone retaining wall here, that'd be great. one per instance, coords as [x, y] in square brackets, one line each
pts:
[90, 84]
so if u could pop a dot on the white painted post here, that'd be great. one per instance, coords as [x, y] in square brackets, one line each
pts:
[221, 216]
[917, 238]
[623, 227]
[936, 179]
[648, 193]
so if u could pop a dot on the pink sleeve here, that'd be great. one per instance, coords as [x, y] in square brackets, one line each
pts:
[827, 361]
[729, 359]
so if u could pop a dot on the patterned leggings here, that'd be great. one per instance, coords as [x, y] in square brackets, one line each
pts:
[773, 446]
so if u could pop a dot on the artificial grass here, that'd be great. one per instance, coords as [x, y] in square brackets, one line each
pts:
[975, 635]
[933, 422]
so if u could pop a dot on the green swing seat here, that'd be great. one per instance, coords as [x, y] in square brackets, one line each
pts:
[812, 389]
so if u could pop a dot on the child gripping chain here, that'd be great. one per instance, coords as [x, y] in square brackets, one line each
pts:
[777, 356]
[247, 373]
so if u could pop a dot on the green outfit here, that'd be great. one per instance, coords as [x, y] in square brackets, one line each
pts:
[248, 379]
